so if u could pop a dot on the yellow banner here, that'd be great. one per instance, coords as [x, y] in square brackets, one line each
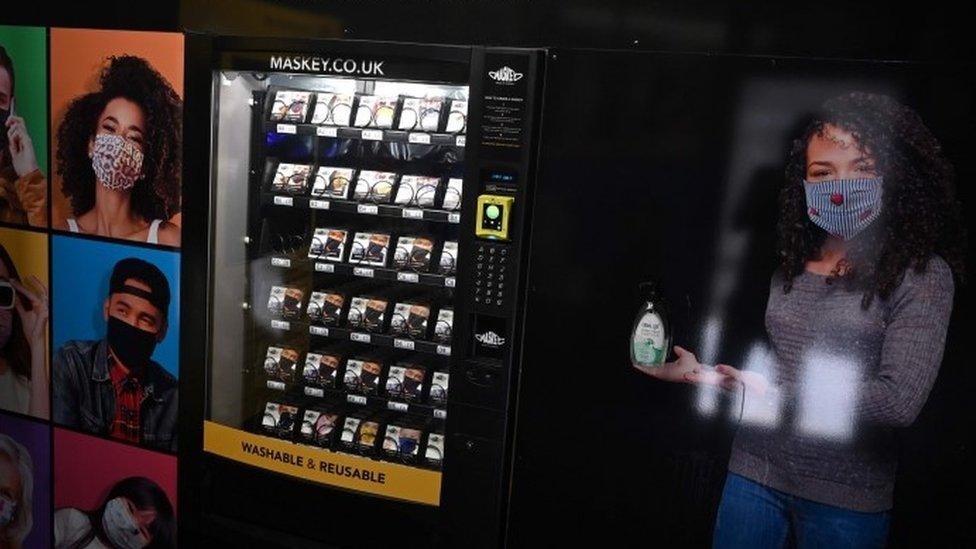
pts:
[319, 465]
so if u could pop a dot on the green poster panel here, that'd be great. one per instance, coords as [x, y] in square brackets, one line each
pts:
[27, 48]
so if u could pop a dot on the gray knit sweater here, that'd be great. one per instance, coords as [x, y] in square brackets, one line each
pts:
[843, 379]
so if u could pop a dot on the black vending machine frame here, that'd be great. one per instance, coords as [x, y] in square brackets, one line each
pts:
[229, 502]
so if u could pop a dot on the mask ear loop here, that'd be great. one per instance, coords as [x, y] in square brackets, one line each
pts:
[276, 112]
[401, 263]
[447, 331]
[455, 115]
[457, 193]
[317, 248]
[401, 328]
[369, 115]
[375, 197]
[275, 305]
[358, 322]
[450, 267]
[352, 253]
[299, 176]
[271, 367]
[274, 421]
[352, 434]
[311, 428]
[438, 393]
[426, 114]
[333, 191]
[398, 390]
[380, 110]
[314, 311]
[416, 118]
[440, 455]
[311, 373]
[334, 111]
[413, 192]
[416, 198]
[318, 190]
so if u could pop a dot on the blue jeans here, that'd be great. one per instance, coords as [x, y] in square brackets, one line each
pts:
[756, 517]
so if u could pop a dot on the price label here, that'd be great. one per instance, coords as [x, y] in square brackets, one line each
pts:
[443, 350]
[454, 217]
[368, 209]
[449, 282]
[360, 337]
[408, 277]
[440, 414]
[280, 262]
[283, 201]
[314, 392]
[318, 330]
[403, 344]
[422, 138]
[326, 131]
[356, 399]
[324, 268]
[280, 325]
[318, 204]
[373, 135]
[413, 213]
[397, 406]
[460, 141]
[287, 128]
[363, 272]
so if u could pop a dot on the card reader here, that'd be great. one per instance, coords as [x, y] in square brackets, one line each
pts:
[494, 212]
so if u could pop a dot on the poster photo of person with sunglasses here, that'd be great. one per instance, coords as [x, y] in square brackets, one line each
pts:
[118, 143]
[871, 246]
[23, 131]
[24, 379]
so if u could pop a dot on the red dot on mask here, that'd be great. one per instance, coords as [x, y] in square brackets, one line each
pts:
[813, 211]
[837, 199]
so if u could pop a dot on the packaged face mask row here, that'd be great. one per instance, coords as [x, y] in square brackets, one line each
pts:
[373, 186]
[280, 363]
[279, 419]
[367, 313]
[319, 427]
[328, 244]
[370, 249]
[410, 320]
[333, 109]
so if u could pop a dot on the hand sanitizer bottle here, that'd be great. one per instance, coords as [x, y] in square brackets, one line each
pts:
[650, 338]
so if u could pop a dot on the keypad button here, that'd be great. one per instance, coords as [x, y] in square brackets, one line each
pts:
[499, 302]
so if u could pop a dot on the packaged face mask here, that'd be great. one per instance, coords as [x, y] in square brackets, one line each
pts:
[333, 109]
[325, 307]
[452, 194]
[279, 419]
[375, 187]
[370, 249]
[413, 253]
[417, 190]
[367, 434]
[413, 383]
[349, 429]
[375, 111]
[444, 326]
[330, 182]
[325, 425]
[391, 441]
[439, 387]
[457, 118]
[357, 311]
[394, 381]
[410, 319]
[290, 106]
[320, 369]
[352, 379]
[420, 114]
[449, 252]
[374, 315]
[291, 178]
[276, 301]
[409, 442]
[292, 304]
[308, 424]
[369, 378]
[279, 363]
[435, 447]
[328, 244]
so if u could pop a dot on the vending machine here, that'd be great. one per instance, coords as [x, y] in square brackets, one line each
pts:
[355, 215]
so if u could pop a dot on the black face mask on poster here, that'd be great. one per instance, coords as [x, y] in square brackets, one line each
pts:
[132, 346]
[4, 115]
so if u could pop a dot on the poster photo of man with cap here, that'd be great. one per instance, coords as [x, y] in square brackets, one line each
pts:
[111, 385]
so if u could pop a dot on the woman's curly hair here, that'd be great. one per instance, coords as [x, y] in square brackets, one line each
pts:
[157, 194]
[920, 214]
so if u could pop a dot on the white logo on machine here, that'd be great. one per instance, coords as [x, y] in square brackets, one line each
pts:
[326, 65]
[506, 75]
[490, 339]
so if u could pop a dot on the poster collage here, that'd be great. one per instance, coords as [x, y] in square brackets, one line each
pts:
[90, 168]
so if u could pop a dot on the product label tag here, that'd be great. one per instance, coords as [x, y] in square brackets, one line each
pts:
[454, 218]
[280, 262]
[318, 204]
[286, 128]
[364, 272]
[324, 268]
[403, 344]
[318, 330]
[443, 350]
[326, 131]
[314, 392]
[280, 325]
[440, 414]
[356, 399]
[283, 201]
[449, 282]
[413, 213]
[421, 138]
[373, 135]
[408, 277]
[276, 385]
[360, 337]
[397, 406]
[460, 141]
[368, 209]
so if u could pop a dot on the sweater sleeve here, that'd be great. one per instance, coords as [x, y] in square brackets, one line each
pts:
[911, 353]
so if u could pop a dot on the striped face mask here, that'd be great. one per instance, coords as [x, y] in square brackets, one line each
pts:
[844, 207]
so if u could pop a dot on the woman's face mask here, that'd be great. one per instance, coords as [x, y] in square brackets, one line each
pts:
[121, 527]
[117, 161]
[844, 207]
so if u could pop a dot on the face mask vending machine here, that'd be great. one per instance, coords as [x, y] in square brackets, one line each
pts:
[355, 214]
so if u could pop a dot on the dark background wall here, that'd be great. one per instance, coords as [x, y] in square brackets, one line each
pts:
[831, 28]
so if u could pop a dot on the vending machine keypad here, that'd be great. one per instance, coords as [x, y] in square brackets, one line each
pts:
[492, 283]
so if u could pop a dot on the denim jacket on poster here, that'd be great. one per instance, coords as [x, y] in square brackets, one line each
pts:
[84, 397]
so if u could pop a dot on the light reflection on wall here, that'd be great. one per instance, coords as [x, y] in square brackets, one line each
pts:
[828, 394]
[759, 410]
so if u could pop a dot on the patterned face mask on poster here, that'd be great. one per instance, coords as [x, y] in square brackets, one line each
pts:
[121, 527]
[844, 207]
[8, 508]
[117, 161]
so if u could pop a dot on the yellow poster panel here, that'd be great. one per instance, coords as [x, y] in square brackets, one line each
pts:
[318, 465]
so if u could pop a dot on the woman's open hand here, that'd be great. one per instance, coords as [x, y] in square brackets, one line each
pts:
[686, 369]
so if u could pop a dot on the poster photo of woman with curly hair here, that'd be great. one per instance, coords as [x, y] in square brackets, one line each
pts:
[117, 113]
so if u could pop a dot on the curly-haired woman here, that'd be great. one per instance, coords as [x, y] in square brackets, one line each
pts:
[870, 238]
[119, 155]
